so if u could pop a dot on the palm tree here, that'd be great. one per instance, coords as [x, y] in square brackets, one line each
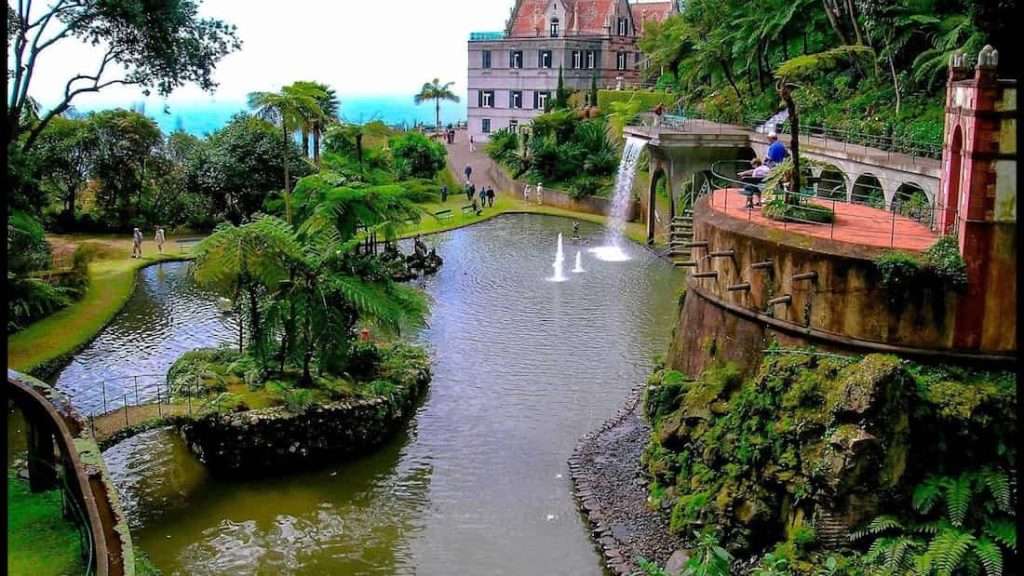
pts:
[436, 91]
[327, 101]
[292, 106]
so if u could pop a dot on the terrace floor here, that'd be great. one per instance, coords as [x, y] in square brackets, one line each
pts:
[854, 223]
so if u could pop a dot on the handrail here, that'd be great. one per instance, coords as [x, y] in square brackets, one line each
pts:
[108, 558]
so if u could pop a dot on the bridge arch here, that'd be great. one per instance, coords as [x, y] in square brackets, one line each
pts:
[832, 182]
[867, 189]
[951, 195]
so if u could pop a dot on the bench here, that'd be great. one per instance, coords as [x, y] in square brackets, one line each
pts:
[443, 215]
[468, 210]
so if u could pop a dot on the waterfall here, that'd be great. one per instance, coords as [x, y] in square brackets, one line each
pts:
[612, 252]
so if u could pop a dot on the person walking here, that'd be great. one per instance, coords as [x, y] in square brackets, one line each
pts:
[137, 243]
[490, 196]
[444, 193]
[526, 193]
[159, 239]
[540, 193]
[472, 148]
[472, 191]
[469, 172]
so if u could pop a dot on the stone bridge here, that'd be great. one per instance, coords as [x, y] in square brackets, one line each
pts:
[682, 149]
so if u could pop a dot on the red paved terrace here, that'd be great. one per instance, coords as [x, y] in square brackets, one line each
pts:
[854, 223]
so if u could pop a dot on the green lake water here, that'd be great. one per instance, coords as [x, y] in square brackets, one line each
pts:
[477, 483]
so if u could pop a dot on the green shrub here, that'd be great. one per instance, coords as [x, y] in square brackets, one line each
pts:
[296, 401]
[898, 269]
[778, 209]
[416, 156]
[943, 261]
[363, 362]
[583, 186]
[205, 365]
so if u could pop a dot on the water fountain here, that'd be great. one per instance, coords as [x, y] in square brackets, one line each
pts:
[559, 259]
[579, 263]
[612, 252]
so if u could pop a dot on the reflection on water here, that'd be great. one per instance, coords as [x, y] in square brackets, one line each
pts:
[478, 483]
[165, 317]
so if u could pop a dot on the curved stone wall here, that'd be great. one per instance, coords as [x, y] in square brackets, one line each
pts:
[845, 308]
[264, 440]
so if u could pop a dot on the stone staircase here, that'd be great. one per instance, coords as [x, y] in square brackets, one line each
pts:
[680, 235]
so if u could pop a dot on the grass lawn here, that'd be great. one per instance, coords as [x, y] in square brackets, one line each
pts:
[503, 204]
[40, 542]
[111, 281]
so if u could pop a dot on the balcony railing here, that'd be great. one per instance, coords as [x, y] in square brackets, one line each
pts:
[486, 36]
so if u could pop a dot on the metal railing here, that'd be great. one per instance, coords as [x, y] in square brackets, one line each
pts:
[724, 176]
[120, 394]
[486, 35]
[830, 137]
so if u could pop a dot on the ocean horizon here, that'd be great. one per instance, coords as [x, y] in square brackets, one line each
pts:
[201, 118]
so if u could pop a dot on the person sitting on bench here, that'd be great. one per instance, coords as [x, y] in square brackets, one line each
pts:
[753, 179]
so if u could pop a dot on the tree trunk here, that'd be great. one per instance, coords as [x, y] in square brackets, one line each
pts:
[316, 142]
[785, 45]
[307, 358]
[255, 334]
[852, 9]
[728, 76]
[305, 141]
[895, 85]
[794, 145]
[829, 6]
[437, 106]
[760, 70]
[805, 43]
[287, 180]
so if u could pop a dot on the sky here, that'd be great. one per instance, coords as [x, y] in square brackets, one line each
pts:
[364, 49]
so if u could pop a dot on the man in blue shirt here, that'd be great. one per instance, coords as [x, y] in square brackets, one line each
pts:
[776, 151]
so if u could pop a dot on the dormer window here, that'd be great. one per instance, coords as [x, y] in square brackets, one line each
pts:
[554, 27]
[623, 28]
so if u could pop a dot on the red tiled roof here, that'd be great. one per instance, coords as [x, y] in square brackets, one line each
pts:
[528, 18]
[650, 11]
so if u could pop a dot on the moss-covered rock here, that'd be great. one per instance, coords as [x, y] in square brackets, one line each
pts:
[814, 436]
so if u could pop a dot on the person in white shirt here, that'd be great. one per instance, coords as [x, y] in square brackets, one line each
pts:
[753, 178]
[136, 243]
[540, 193]
[160, 239]
[526, 193]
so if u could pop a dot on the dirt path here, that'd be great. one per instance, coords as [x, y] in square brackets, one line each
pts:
[109, 424]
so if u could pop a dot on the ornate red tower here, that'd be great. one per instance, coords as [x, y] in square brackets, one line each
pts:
[979, 199]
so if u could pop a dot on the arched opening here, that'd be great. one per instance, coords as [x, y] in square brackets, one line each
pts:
[832, 183]
[658, 193]
[952, 193]
[912, 201]
[867, 190]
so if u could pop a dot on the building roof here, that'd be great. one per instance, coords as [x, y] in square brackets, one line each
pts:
[650, 11]
[582, 17]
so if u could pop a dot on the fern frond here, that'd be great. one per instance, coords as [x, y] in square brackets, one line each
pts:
[998, 484]
[878, 526]
[926, 494]
[958, 498]
[947, 551]
[1003, 532]
[990, 555]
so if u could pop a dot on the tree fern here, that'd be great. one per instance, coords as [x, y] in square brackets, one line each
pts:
[926, 495]
[1003, 532]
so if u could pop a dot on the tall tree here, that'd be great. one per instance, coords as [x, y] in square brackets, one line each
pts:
[292, 106]
[561, 95]
[327, 100]
[436, 91]
[126, 143]
[64, 156]
[155, 44]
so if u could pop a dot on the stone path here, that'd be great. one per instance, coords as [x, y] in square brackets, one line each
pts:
[612, 492]
[459, 155]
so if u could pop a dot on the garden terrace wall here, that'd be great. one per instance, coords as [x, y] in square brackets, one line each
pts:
[556, 198]
[263, 441]
[844, 309]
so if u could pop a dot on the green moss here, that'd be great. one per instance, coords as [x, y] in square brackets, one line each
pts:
[40, 542]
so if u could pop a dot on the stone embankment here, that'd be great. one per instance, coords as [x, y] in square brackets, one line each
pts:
[611, 491]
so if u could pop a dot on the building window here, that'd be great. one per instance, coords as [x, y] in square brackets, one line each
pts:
[539, 100]
[591, 59]
[636, 57]
[486, 56]
[485, 125]
[623, 26]
[544, 59]
[513, 125]
[515, 59]
[620, 61]
[485, 99]
[577, 59]
[554, 27]
[515, 99]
